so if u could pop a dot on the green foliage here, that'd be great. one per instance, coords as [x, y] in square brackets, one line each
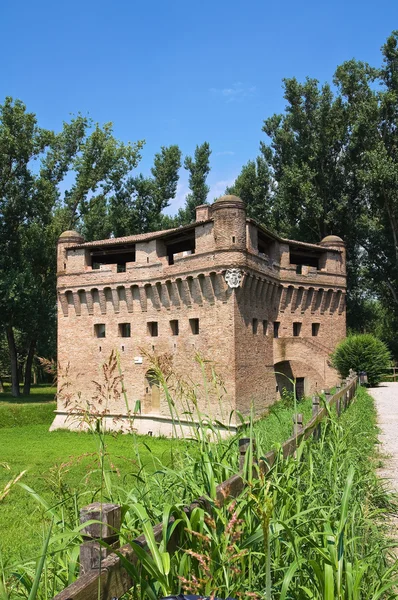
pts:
[198, 168]
[255, 187]
[137, 207]
[329, 166]
[311, 529]
[362, 352]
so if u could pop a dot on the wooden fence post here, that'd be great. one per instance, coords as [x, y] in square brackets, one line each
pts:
[315, 410]
[297, 423]
[244, 445]
[339, 403]
[328, 395]
[91, 551]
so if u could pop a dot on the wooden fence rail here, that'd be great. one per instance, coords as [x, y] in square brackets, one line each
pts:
[392, 374]
[107, 579]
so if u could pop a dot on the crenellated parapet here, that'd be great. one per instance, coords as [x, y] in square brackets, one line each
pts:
[183, 292]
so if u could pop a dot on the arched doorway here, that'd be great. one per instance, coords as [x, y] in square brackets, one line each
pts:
[302, 377]
[152, 393]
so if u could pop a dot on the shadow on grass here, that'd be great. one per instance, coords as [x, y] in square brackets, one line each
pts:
[40, 393]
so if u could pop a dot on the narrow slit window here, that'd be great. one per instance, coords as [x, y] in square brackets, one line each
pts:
[315, 329]
[174, 327]
[124, 330]
[99, 330]
[265, 327]
[296, 329]
[153, 328]
[276, 329]
[194, 324]
[255, 325]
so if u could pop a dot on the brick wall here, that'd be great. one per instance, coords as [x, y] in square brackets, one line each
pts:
[236, 325]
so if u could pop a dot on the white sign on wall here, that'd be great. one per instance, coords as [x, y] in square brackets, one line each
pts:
[138, 360]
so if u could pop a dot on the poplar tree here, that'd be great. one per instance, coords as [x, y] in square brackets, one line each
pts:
[198, 168]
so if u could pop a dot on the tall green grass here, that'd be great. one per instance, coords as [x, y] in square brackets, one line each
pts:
[315, 527]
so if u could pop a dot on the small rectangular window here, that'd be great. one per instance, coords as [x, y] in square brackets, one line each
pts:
[299, 269]
[174, 327]
[153, 328]
[99, 330]
[296, 329]
[124, 330]
[265, 327]
[121, 267]
[276, 329]
[194, 324]
[255, 325]
[300, 387]
[315, 329]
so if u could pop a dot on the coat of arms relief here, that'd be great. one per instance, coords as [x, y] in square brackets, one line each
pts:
[233, 277]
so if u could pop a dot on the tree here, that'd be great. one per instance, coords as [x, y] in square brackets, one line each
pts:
[198, 168]
[333, 162]
[21, 143]
[137, 207]
[33, 211]
[254, 186]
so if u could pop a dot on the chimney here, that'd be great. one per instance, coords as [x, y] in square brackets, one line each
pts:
[203, 212]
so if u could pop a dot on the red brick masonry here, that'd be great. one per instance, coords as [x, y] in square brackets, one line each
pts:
[262, 308]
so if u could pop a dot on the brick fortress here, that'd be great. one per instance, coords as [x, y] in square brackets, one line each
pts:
[264, 309]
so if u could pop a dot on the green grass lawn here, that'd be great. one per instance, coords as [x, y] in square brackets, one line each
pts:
[62, 462]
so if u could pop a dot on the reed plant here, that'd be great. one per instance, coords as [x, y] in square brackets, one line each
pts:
[314, 527]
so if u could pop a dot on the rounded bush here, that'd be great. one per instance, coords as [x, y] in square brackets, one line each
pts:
[362, 352]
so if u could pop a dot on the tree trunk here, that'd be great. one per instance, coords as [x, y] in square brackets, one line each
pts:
[13, 361]
[1, 386]
[28, 368]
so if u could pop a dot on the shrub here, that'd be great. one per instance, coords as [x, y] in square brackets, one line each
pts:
[362, 352]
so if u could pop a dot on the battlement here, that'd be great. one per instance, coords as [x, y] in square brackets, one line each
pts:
[221, 234]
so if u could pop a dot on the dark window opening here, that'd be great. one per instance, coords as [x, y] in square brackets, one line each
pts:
[255, 325]
[233, 239]
[174, 327]
[153, 329]
[194, 324]
[299, 269]
[265, 244]
[300, 388]
[99, 330]
[299, 259]
[124, 329]
[265, 327]
[296, 329]
[315, 329]
[113, 256]
[179, 244]
[276, 329]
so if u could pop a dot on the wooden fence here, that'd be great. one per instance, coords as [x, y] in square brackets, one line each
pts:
[103, 576]
[391, 374]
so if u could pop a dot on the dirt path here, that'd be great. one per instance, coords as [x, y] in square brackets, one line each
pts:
[386, 397]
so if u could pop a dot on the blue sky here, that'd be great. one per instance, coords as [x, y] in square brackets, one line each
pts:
[174, 72]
